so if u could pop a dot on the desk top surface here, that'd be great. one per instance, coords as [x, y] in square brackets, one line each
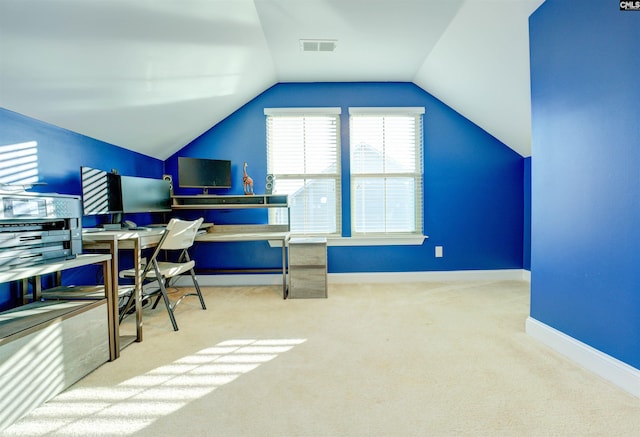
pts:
[217, 233]
[151, 237]
[241, 236]
[120, 234]
[100, 234]
[51, 267]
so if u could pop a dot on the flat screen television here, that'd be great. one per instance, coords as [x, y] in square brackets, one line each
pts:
[100, 192]
[204, 173]
[145, 194]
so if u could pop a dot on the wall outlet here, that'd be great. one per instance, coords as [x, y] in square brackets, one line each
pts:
[439, 252]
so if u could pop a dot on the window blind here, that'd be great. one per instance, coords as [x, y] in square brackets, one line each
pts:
[303, 154]
[386, 170]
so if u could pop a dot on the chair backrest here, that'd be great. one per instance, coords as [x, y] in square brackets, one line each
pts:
[180, 234]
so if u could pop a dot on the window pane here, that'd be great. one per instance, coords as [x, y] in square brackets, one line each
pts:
[384, 205]
[383, 144]
[312, 205]
[302, 145]
[400, 205]
[303, 155]
[386, 171]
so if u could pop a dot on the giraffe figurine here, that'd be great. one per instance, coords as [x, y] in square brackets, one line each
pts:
[247, 182]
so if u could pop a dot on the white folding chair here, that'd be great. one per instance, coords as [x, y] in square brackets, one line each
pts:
[178, 237]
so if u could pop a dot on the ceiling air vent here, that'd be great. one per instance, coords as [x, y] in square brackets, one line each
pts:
[318, 45]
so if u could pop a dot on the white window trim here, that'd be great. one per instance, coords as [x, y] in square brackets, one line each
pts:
[358, 240]
[410, 240]
[303, 111]
[383, 111]
[386, 111]
[322, 111]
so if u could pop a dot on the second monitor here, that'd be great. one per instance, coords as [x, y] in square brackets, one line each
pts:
[204, 173]
[145, 194]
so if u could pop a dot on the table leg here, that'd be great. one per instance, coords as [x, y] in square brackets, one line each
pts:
[284, 268]
[111, 278]
[37, 289]
[137, 262]
[112, 311]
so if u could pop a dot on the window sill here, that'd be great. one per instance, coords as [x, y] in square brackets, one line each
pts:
[406, 240]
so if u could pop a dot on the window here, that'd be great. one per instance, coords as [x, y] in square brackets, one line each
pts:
[303, 154]
[386, 170]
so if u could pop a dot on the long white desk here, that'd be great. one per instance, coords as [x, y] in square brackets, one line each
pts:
[137, 240]
[231, 233]
[234, 233]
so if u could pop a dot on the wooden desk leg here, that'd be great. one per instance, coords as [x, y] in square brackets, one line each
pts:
[112, 311]
[57, 279]
[284, 268]
[137, 261]
[24, 291]
[37, 289]
[113, 281]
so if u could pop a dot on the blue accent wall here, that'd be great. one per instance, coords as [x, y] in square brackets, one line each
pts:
[585, 280]
[526, 242]
[473, 184]
[59, 154]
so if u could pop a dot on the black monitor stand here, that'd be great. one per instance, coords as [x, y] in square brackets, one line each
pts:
[115, 222]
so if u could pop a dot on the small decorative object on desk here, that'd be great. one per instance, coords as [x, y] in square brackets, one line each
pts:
[247, 182]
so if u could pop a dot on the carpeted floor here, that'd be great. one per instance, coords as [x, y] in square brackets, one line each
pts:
[421, 359]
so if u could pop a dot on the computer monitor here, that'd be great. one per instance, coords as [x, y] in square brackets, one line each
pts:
[100, 192]
[204, 173]
[145, 194]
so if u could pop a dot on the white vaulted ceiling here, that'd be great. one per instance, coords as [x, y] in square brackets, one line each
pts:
[152, 75]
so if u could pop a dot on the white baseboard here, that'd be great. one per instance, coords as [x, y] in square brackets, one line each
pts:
[375, 277]
[238, 280]
[458, 275]
[607, 367]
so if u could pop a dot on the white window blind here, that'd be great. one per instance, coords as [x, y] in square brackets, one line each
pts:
[303, 154]
[386, 170]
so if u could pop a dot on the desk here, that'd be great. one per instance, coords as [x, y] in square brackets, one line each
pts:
[231, 233]
[113, 241]
[138, 240]
[45, 347]
[37, 270]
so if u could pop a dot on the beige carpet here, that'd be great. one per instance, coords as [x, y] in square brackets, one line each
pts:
[424, 359]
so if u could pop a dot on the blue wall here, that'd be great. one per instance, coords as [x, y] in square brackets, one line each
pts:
[60, 153]
[473, 183]
[585, 66]
[526, 242]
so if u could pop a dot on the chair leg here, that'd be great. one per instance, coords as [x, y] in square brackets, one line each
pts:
[155, 304]
[127, 307]
[167, 303]
[195, 283]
